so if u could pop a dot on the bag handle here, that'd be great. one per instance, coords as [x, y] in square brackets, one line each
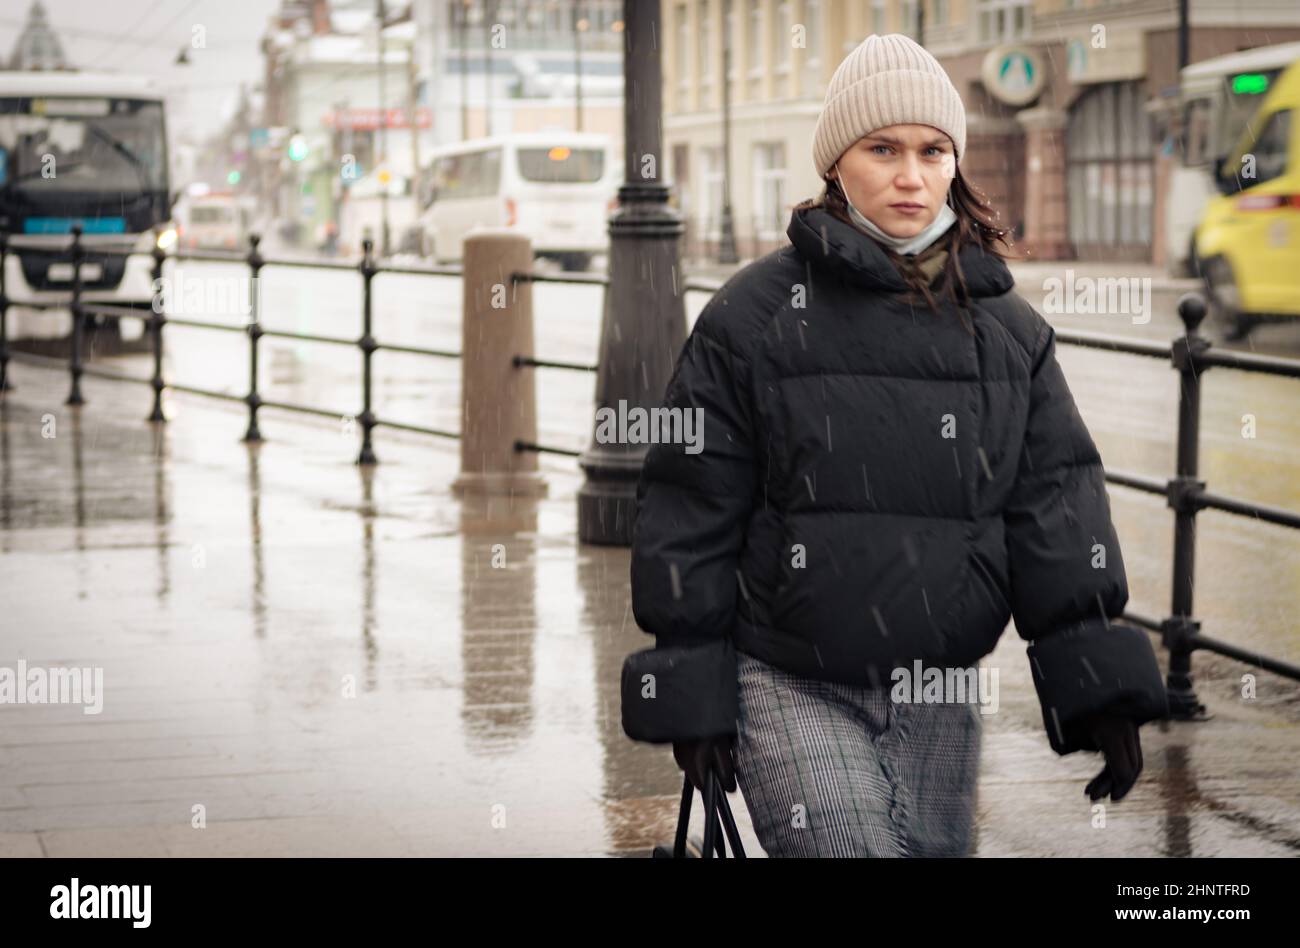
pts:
[715, 802]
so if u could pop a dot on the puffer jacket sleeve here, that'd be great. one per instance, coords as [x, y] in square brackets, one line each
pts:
[1067, 573]
[693, 506]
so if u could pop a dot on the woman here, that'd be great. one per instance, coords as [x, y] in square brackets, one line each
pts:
[892, 468]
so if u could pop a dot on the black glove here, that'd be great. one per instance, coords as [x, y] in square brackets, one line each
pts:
[696, 757]
[1118, 739]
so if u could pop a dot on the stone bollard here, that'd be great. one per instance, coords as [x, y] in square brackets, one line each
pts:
[498, 399]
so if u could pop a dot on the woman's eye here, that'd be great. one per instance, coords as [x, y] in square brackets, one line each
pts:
[880, 149]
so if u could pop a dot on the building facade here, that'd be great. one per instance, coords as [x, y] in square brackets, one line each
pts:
[450, 70]
[1071, 106]
[492, 67]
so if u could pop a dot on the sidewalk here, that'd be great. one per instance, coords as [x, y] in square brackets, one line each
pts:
[320, 659]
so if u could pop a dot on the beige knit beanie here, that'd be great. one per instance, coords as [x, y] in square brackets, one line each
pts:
[887, 80]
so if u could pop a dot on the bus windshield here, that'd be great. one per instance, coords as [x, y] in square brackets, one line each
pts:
[1217, 114]
[62, 155]
[1237, 108]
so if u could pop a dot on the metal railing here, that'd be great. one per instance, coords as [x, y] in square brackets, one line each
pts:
[156, 319]
[1185, 494]
[1189, 354]
[587, 279]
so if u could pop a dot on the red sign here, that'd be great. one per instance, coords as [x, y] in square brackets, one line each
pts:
[362, 120]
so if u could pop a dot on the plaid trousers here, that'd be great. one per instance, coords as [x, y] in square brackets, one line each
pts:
[837, 770]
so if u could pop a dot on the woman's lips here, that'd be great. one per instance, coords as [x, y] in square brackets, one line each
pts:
[908, 209]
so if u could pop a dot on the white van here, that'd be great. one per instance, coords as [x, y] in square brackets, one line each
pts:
[216, 221]
[559, 188]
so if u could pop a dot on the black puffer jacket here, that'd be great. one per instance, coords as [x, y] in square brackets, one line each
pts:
[878, 485]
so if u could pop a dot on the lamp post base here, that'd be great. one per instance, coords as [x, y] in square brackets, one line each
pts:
[607, 499]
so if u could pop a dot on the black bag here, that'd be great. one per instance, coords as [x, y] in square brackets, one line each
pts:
[716, 805]
[694, 692]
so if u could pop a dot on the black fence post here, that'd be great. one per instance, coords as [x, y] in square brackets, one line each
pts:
[4, 316]
[1184, 496]
[156, 320]
[368, 346]
[74, 356]
[254, 334]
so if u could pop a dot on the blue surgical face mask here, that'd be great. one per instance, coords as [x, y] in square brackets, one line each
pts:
[907, 246]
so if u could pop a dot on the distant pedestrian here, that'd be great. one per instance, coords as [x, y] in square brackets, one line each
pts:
[330, 239]
[893, 467]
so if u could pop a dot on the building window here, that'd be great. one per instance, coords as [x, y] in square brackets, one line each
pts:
[769, 190]
[781, 36]
[878, 16]
[710, 196]
[706, 44]
[755, 38]
[940, 12]
[682, 59]
[812, 24]
[1000, 21]
[812, 63]
[1109, 171]
[908, 16]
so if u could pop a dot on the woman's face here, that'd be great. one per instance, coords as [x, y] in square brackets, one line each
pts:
[898, 176]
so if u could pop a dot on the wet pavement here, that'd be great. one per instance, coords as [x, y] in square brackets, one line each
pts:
[328, 659]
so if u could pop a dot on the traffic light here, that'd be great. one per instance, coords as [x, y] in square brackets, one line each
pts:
[233, 177]
[298, 147]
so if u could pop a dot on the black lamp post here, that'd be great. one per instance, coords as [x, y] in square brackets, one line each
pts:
[643, 326]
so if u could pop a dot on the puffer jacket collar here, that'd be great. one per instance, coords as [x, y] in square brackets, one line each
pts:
[845, 250]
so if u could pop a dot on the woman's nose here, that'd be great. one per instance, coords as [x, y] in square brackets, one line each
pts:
[909, 175]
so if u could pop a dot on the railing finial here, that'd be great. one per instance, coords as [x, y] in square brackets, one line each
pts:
[254, 258]
[1191, 310]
